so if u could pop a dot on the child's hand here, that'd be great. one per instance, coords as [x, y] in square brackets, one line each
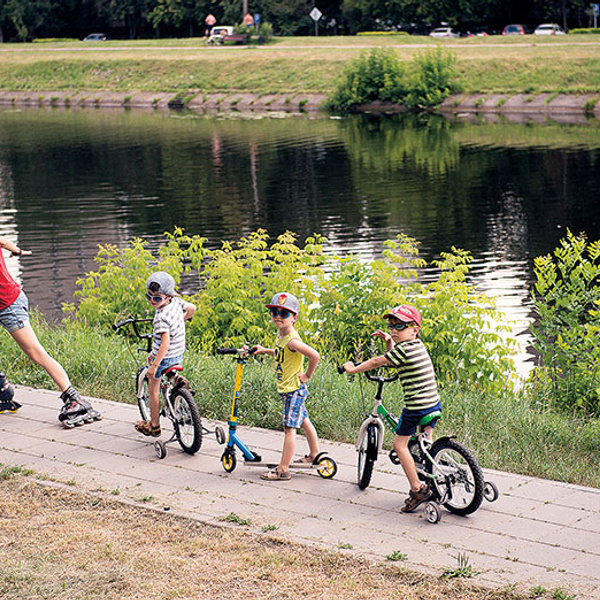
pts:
[386, 337]
[349, 367]
[303, 378]
[258, 349]
[151, 372]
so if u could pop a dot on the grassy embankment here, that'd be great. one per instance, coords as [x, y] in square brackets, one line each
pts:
[506, 432]
[570, 64]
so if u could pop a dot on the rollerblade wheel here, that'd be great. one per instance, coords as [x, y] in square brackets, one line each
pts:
[433, 514]
[220, 435]
[160, 448]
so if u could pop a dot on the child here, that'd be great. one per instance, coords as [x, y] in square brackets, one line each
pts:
[406, 352]
[289, 355]
[168, 342]
[14, 317]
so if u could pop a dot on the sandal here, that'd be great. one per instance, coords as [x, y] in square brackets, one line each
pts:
[276, 475]
[146, 428]
[307, 459]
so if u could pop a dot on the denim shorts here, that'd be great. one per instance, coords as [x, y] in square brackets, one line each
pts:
[15, 316]
[165, 363]
[293, 410]
[409, 419]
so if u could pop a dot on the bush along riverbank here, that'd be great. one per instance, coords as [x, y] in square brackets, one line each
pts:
[518, 429]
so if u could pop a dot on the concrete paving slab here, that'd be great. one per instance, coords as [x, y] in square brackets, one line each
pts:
[537, 533]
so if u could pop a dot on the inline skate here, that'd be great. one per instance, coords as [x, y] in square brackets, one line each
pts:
[7, 393]
[76, 411]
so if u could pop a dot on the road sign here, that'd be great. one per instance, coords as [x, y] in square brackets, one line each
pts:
[596, 9]
[315, 14]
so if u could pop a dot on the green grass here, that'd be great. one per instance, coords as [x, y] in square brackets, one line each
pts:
[292, 65]
[504, 432]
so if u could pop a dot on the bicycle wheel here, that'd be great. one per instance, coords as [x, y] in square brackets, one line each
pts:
[458, 482]
[367, 455]
[143, 402]
[186, 420]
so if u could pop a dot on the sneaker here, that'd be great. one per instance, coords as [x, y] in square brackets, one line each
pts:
[417, 498]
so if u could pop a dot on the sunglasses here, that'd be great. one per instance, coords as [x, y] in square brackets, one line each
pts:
[283, 313]
[399, 326]
[155, 299]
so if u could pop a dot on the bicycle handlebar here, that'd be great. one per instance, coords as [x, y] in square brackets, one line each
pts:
[134, 323]
[367, 374]
[248, 351]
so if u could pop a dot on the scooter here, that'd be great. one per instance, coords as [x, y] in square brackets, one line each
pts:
[325, 466]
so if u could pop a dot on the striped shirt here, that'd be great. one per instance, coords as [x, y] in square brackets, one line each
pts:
[416, 374]
[169, 318]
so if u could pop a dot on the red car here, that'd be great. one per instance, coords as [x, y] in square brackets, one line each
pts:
[515, 30]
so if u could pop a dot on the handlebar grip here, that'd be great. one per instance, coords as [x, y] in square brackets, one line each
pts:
[120, 324]
[341, 369]
[227, 350]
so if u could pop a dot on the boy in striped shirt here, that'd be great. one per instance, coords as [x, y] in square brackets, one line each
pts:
[406, 352]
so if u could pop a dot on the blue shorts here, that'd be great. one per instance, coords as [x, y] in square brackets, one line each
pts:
[15, 316]
[165, 363]
[293, 410]
[409, 419]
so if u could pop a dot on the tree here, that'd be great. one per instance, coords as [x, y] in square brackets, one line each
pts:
[25, 17]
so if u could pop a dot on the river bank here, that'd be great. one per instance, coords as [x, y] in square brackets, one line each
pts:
[562, 107]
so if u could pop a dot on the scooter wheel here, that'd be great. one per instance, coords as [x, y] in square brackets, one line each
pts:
[490, 491]
[327, 467]
[160, 449]
[220, 435]
[433, 514]
[229, 461]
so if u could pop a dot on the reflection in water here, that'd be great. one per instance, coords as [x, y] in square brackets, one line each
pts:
[506, 192]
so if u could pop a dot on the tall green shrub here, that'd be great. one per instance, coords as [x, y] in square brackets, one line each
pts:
[378, 75]
[566, 300]
[343, 299]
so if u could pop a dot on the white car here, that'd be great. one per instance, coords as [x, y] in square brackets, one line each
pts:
[218, 32]
[549, 29]
[444, 32]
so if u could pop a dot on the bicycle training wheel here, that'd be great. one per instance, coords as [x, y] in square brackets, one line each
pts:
[367, 455]
[458, 481]
[187, 421]
[143, 402]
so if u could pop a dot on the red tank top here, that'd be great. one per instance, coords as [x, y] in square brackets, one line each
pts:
[9, 288]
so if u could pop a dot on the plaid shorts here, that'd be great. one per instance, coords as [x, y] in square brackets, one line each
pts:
[293, 408]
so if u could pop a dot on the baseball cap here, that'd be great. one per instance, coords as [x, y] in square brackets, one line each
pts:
[405, 313]
[284, 300]
[165, 282]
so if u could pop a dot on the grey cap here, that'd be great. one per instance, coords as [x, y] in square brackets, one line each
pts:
[284, 300]
[166, 283]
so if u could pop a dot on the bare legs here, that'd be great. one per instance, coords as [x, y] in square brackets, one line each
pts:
[28, 342]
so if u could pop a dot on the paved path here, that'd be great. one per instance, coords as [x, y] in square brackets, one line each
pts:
[538, 532]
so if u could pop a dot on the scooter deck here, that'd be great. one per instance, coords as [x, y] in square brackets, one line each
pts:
[273, 465]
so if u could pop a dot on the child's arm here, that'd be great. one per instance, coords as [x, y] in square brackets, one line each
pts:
[368, 365]
[189, 310]
[258, 349]
[13, 248]
[165, 342]
[386, 337]
[310, 353]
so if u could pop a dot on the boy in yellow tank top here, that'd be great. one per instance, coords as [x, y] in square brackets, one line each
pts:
[289, 353]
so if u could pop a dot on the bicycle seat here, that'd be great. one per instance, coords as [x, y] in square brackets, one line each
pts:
[426, 420]
[171, 370]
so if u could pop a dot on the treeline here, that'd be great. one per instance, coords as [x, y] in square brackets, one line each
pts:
[26, 20]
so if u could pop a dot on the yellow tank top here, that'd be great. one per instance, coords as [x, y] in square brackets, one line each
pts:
[288, 364]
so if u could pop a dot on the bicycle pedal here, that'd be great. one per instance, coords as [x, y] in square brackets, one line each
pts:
[394, 457]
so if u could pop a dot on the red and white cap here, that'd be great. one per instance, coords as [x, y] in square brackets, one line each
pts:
[406, 313]
[284, 300]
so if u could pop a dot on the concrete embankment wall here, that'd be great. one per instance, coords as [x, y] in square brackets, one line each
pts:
[567, 107]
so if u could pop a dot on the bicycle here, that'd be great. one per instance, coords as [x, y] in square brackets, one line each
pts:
[177, 400]
[451, 469]
[325, 466]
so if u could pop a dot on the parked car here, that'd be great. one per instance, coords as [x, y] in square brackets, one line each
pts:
[444, 32]
[549, 29]
[218, 32]
[96, 37]
[516, 29]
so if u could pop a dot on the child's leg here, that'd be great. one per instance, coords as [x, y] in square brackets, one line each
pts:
[28, 342]
[406, 461]
[311, 437]
[289, 447]
[154, 401]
